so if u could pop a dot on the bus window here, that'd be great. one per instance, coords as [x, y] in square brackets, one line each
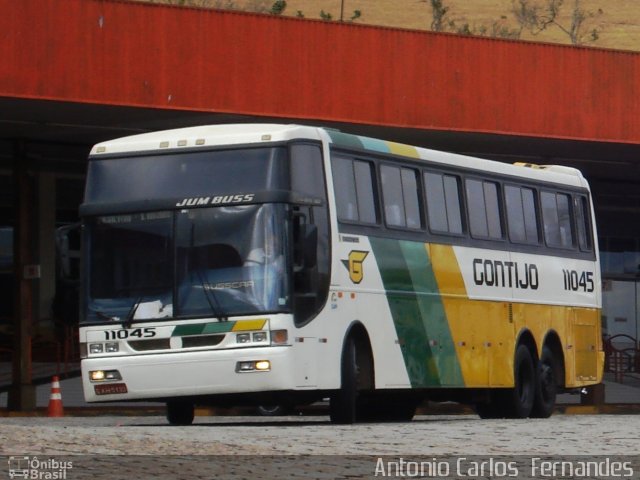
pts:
[557, 219]
[345, 187]
[443, 203]
[364, 191]
[392, 196]
[400, 197]
[484, 209]
[353, 183]
[411, 198]
[582, 218]
[521, 214]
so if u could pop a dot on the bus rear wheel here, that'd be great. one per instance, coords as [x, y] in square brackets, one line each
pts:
[180, 412]
[520, 399]
[546, 385]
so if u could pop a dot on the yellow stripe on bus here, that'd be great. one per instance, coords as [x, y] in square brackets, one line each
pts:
[244, 325]
[404, 150]
[484, 332]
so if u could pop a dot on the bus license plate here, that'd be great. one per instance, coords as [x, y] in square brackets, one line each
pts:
[112, 389]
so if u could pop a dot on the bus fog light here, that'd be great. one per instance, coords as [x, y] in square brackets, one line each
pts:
[260, 337]
[111, 347]
[243, 337]
[263, 365]
[279, 337]
[97, 375]
[96, 348]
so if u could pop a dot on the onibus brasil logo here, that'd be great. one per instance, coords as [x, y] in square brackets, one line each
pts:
[33, 468]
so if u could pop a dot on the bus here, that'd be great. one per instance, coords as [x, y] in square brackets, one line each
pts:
[256, 264]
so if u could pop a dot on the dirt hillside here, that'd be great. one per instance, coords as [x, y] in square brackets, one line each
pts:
[616, 22]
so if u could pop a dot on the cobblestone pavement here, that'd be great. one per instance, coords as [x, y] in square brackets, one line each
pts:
[426, 435]
[151, 446]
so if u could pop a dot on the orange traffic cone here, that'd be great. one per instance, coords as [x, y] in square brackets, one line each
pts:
[55, 400]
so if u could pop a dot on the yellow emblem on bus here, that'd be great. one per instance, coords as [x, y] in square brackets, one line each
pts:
[354, 265]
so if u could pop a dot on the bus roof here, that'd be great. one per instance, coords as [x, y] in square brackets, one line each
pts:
[206, 136]
[246, 134]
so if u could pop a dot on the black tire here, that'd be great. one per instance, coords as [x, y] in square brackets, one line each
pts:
[519, 400]
[180, 412]
[356, 370]
[343, 403]
[546, 385]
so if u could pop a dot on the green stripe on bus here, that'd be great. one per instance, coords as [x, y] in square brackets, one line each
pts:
[345, 140]
[218, 327]
[406, 313]
[434, 317]
[202, 329]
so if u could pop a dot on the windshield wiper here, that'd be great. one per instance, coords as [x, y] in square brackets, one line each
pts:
[131, 313]
[208, 290]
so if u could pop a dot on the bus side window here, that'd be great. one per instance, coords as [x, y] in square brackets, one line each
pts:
[556, 217]
[484, 209]
[410, 192]
[365, 191]
[353, 182]
[344, 185]
[443, 203]
[581, 209]
[521, 214]
[400, 197]
[392, 200]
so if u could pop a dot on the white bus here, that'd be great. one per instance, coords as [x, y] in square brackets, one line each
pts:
[282, 264]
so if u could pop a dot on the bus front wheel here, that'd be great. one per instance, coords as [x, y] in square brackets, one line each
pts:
[356, 373]
[180, 412]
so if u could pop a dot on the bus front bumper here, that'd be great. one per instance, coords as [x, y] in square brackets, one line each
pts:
[211, 372]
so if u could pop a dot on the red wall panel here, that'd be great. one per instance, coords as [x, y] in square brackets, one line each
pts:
[104, 51]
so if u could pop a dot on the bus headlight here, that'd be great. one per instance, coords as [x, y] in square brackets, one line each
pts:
[253, 366]
[109, 347]
[260, 337]
[104, 375]
[243, 337]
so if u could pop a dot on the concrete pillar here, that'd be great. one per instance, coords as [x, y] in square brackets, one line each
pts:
[22, 394]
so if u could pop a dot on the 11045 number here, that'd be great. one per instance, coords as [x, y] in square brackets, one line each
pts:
[123, 334]
[575, 281]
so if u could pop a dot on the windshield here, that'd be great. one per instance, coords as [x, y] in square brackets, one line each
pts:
[181, 175]
[206, 262]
